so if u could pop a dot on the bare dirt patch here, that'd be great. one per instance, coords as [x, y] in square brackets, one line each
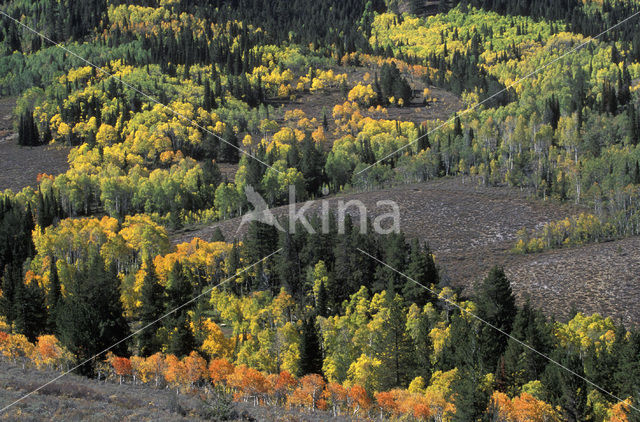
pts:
[20, 166]
[228, 171]
[7, 105]
[602, 278]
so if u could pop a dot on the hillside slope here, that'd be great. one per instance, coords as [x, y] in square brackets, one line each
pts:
[75, 398]
[472, 228]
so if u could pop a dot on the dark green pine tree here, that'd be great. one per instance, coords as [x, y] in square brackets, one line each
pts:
[288, 266]
[53, 297]
[395, 345]
[461, 348]
[419, 327]
[28, 224]
[351, 268]
[209, 101]
[395, 251]
[255, 169]
[552, 112]
[340, 284]
[13, 39]
[366, 152]
[633, 126]
[497, 306]
[457, 128]
[320, 246]
[27, 130]
[520, 364]
[217, 235]
[238, 285]
[423, 141]
[11, 279]
[380, 99]
[471, 400]
[310, 350]
[626, 374]
[635, 178]
[461, 351]
[322, 301]
[344, 88]
[259, 90]
[179, 291]
[312, 162]
[567, 390]
[47, 209]
[347, 277]
[181, 340]
[46, 134]
[151, 308]
[422, 268]
[293, 156]
[90, 316]
[624, 94]
[600, 365]
[41, 210]
[229, 150]
[30, 310]
[261, 240]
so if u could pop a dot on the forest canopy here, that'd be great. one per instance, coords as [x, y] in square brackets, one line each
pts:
[182, 107]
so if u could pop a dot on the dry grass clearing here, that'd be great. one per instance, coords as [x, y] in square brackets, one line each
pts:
[20, 166]
[603, 278]
[75, 398]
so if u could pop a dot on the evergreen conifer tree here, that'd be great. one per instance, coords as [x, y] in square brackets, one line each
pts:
[565, 389]
[521, 364]
[53, 297]
[310, 351]
[229, 150]
[496, 305]
[90, 317]
[30, 310]
[421, 268]
[322, 301]
[10, 279]
[27, 130]
[217, 235]
[151, 308]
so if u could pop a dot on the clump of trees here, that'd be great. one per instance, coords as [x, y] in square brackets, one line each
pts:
[392, 87]
[28, 134]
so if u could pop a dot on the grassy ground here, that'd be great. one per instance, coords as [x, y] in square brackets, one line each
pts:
[74, 398]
